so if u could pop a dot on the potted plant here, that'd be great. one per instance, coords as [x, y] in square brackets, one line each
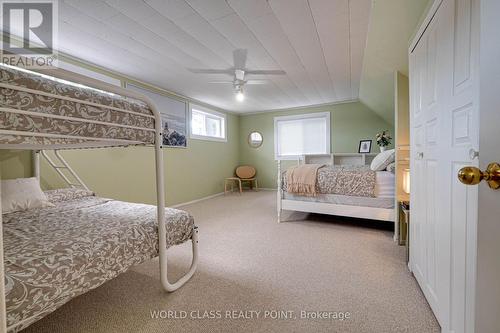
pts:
[383, 140]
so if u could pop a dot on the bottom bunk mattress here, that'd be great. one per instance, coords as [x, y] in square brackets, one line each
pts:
[54, 254]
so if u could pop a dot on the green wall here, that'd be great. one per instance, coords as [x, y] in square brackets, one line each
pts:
[15, 164]
[129, 173]
[198, 170]
[350, 123]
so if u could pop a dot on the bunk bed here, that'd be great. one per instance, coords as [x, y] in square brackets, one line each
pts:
[53, 254]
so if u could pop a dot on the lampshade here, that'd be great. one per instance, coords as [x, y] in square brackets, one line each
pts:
[406, 181]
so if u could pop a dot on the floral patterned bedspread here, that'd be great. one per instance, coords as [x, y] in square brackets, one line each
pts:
[67, 110]
[55, 254]
[343, 180]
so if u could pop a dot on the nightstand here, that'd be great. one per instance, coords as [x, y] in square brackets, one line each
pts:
[404, 226]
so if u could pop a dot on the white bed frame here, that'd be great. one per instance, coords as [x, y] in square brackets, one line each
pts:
[97, 143]
[372, 213]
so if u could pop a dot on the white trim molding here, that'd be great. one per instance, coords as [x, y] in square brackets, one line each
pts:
[298, 107]
[197, 200]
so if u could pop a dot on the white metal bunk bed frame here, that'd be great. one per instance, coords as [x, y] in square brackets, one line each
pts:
[159, 163]
[58, 168]
[372, 213]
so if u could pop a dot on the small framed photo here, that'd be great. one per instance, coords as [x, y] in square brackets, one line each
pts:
[365, 146]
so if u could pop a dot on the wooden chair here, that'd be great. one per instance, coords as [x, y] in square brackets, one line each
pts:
[244, 173]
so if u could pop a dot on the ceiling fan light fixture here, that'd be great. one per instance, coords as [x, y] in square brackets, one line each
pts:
[240, 97]
[239, 73]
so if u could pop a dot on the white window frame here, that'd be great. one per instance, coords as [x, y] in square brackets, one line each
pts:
[325, 115]
[212, 112]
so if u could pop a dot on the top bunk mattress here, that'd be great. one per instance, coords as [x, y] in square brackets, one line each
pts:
[56, 253]
[40, 111]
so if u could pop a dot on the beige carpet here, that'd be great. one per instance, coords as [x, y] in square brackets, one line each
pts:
[248, 262]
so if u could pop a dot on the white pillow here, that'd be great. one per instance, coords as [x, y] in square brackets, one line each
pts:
[391, 167]
[22, 194]
[382, 160]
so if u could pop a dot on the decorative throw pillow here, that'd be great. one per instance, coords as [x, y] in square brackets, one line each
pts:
[391, 167]
[22, 194]
[382, 160]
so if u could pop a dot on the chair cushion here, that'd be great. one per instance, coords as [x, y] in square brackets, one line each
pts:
[245, 172]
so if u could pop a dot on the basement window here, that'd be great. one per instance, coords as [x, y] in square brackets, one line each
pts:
[207, 124]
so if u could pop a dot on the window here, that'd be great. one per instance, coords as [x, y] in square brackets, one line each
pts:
[301, 135]
[207, 124]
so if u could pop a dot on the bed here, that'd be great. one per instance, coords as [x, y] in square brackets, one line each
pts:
[56, 253]
[53, 254]
[343, 190]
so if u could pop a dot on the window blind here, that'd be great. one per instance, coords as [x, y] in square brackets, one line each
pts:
[302, 135]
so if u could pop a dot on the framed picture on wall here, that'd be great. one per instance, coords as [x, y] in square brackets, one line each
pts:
[365, 146]
[173, 116]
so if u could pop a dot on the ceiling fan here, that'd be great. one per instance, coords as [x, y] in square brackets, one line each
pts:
[238, 72]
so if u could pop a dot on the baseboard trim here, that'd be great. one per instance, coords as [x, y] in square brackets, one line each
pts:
[197, 200]
[213, 196]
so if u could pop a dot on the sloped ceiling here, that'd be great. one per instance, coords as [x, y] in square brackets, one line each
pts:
[392, 24]
[318, 43]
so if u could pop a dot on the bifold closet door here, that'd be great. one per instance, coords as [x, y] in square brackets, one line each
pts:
[425, 135]
[444, 138]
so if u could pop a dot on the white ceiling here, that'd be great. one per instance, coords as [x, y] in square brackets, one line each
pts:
[319, 43]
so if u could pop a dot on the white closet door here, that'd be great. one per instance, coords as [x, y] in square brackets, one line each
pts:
[424, 167]
[444, 137]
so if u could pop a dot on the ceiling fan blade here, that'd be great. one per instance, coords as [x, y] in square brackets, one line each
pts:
[221, 82]
[211, 71]
[240, 58]
[256, 82]
[266, 72]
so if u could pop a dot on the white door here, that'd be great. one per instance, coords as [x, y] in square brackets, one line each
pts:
[487, 317]
[423, 162]
[444, 138]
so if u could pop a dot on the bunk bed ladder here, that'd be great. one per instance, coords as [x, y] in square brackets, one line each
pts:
[61, 166]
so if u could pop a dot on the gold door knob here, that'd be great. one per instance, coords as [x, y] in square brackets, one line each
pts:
[473, 176]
